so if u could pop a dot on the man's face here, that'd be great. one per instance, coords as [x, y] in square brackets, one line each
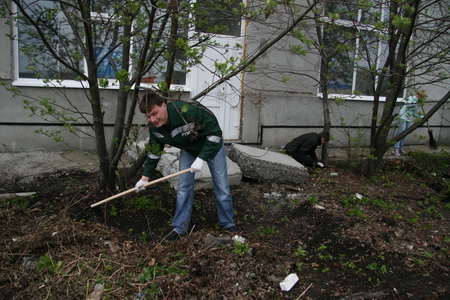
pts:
[157, 115]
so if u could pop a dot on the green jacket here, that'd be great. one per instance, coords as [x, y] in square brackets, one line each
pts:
[192, 127]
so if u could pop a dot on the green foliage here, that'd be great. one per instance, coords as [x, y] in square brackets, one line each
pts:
[312, 200]
[300, 252]
[401, 22]
[356, 212]
[47, 264]
[153, 291]
[240, 248]
[249, 218]
[428, 254]
[414, 219]
[154, 148]
[103, 82]
[268, 230]
[144, 202]
[322, 254]
[434, 166]
[143, 237]
[114, 211]
[350, 264]
[23, 202]
[298, 49]
[151, 272]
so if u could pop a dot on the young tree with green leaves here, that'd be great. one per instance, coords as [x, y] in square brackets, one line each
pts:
[102, 44]
[383, 51]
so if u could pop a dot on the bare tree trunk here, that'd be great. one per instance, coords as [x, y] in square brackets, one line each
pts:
[396, 64]
[95, 98]
[324, 73]
[117, 146]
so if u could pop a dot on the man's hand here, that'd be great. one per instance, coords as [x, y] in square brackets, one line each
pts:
[197, 165]
[140, 184]
[320, 165]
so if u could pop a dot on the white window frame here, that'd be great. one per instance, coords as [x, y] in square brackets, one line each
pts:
[366, 27]
[67, 83]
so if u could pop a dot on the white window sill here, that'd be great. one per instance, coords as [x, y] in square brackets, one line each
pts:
[354, 98]
[77, 84]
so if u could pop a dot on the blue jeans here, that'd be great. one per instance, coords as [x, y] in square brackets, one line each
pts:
[402, 126]
[185, 195]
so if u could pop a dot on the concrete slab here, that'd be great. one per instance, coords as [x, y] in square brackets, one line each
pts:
[27, 166]
[268, 165]
[168, 164]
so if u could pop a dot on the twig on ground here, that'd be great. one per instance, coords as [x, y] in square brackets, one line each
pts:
[304, 292]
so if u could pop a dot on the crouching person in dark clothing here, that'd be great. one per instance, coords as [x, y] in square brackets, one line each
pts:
[303, 148]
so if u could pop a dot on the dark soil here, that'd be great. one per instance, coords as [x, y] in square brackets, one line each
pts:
[345, 236]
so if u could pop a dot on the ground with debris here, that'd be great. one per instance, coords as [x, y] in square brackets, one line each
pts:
[346, 236]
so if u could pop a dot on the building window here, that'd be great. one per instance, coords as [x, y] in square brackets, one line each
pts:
[356, 47]
[34, 59]
[61, 26]
[219, 17]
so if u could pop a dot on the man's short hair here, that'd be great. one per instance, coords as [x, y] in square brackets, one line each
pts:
[325, 135]
[148, 100]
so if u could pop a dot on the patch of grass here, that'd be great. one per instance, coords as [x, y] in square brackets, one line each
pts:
[285, 219]
[350, 264]
[312, 200]
[47, 264]
[114, 211]
[143, 237]
[150, 273]
[428, 254]
[322, 254]
[23, 202]
[268, 230]
[249, 218]
[300, 252]
[414, 219]
[240, 248]
[356, 212]
[142, 203]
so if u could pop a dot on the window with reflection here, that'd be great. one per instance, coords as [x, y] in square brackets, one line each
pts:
[219, 17]
[61, 55]
[34, 58]
[356, 48]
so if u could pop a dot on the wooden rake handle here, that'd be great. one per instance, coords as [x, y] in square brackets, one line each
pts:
[145, 185]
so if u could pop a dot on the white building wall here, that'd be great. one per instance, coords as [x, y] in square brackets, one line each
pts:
[274, 110]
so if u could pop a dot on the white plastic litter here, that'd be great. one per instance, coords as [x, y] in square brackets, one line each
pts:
[289, 282]
[239, 238]
[317, 206]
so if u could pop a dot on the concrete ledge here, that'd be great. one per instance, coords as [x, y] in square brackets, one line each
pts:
[168, 164]
[268, 165]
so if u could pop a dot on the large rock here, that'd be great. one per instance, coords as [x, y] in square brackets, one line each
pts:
[168, 164]
[268, 165]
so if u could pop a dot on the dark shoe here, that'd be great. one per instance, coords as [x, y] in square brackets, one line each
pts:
[173, 236]
[231, 229]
